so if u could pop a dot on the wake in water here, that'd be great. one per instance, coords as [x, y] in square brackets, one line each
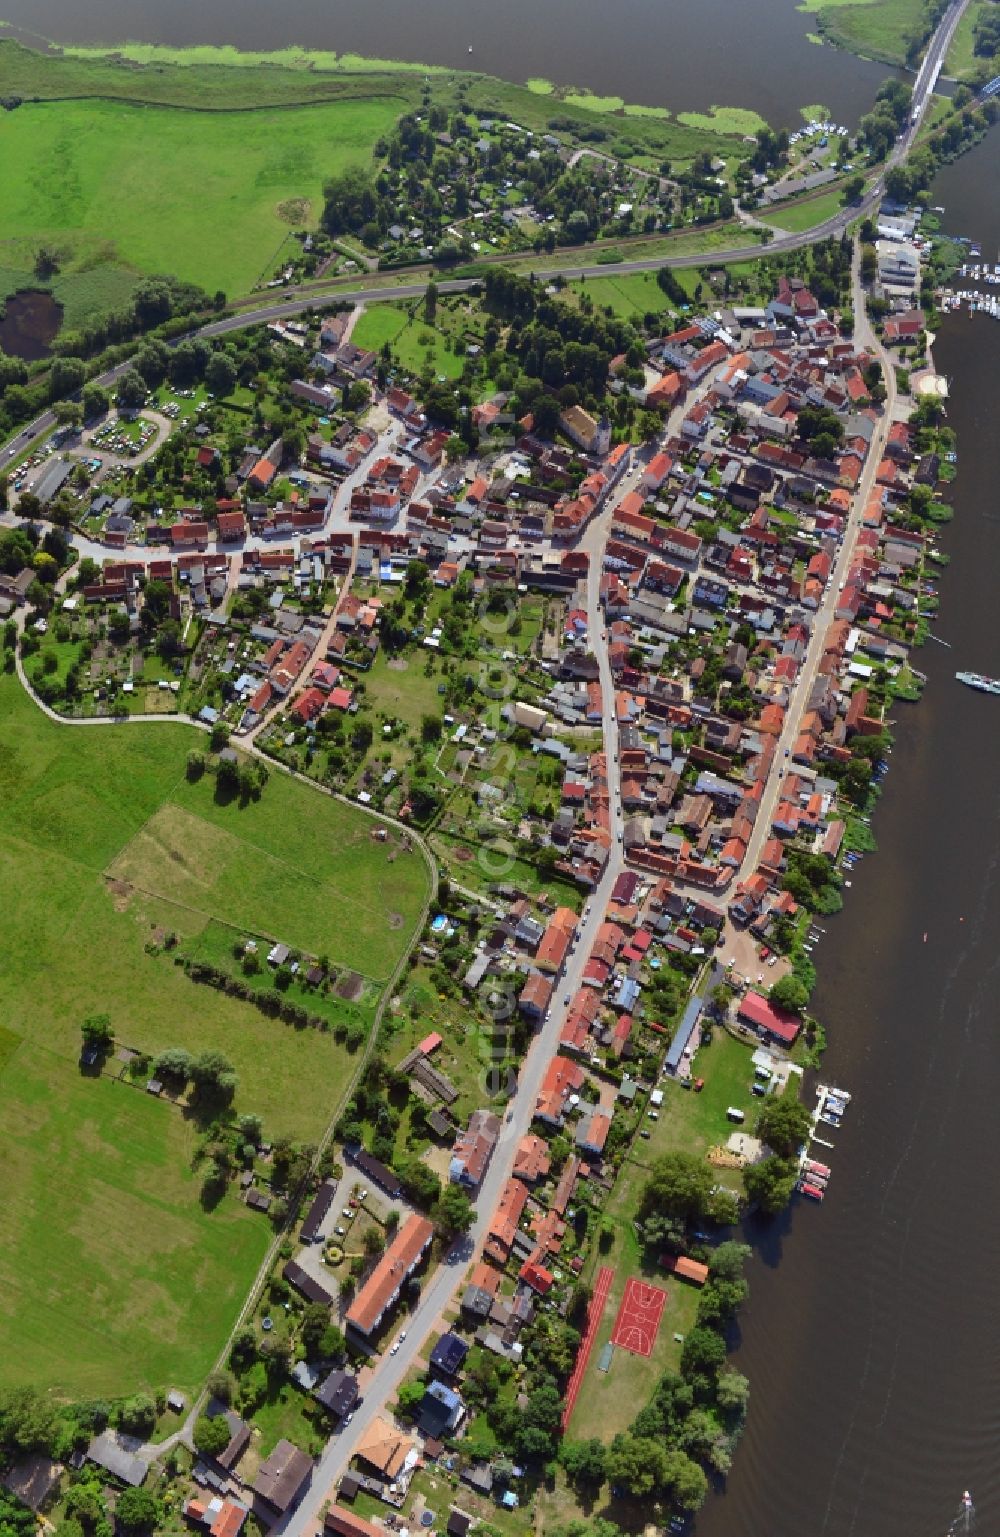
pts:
[965, 1521]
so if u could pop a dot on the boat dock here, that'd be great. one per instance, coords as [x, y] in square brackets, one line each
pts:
[814, 1176]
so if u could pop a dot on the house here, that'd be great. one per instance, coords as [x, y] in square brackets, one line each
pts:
[441, 1411]
[766, 1019]
[386, 1281]
[339, 1393]
[690, 1270]
[379, 1173]
[473, 1149]
[384, 1448]
[448, 1355]
[33, 1480]
[319, 1209]
[339, 1522]
[535, 996]
[116, 1455]
[223, 1517]
[594, 437]
[282, 1477]
[531, 1161]
[306, 1285]
[556, 940]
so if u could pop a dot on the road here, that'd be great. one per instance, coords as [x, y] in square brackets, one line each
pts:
[443, 1287]
[825, 614]
[299, 304]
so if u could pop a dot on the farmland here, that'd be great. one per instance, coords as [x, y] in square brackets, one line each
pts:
[94, 1156]
[111, 1275]
[112, 186]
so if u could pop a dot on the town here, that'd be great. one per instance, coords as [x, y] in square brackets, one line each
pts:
[620, 656]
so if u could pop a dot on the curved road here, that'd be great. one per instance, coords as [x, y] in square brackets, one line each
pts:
[922, 96]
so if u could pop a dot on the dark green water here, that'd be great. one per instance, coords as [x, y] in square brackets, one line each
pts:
[682, 54]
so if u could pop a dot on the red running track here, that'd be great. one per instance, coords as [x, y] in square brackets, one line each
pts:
[605, 1276]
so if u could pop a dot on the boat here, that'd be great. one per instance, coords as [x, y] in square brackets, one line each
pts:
[965, 1520]
[979, 681]
[812, 1191]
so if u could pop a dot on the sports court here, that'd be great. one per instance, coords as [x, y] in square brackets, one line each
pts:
[639, 1317]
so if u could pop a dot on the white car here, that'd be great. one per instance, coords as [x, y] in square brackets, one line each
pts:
[402, 1335]
[393, 1348]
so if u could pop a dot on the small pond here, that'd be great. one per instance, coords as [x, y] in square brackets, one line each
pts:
[29, 324]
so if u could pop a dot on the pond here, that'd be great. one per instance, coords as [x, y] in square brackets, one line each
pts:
[29, 324]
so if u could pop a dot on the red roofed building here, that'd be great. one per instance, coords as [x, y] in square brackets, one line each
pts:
[308, 705]
[386, 1281]
[766, 1019]
[535, 1275]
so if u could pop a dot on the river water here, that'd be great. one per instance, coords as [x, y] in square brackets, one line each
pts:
[874, 1353]
[682, 54]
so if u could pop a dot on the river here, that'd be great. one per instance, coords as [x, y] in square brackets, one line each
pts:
[874, 1353]
[682, 54]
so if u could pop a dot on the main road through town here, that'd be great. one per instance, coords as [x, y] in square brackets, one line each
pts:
[798, 703]
[301, 302]
[443, 1287]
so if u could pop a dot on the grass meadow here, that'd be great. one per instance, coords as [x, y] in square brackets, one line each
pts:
[197, 194]
[111, 1274]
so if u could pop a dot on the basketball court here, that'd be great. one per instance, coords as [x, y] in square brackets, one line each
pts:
[639, 1317]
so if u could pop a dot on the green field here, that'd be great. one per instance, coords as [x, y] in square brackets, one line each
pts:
[104, 1246]
[151, 189]
[112, 1277]
[806, 212]
[879, 29]
[411, 340]
[962, 60]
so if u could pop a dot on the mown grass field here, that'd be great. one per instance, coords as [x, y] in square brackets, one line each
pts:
[111, 1274]
[411, 338]
[806, 212]
[197, 194]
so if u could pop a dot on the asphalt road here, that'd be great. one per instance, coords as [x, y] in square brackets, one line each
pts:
[799, 702]
[300, 304]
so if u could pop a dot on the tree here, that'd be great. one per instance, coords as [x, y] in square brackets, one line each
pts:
[17, 1520]
[453, 1212]
[680, 1190]
[783, 1124]
[685, 1479]
[97, 1033]
[95, 401]
[430, 302]
[138, 1415]
[637, 1464]
[136, 1510]
[702, 1353]
[410, 1397]
[131, 392]
[728, 1259]
[152, 361]
[220, 374]
[584, 1462]
[770, 1183]
[789, 993]
[732, 1393]
[211, 1434]
[27, 1421]
[66, 376]
[174, 1065]
[213, 1075]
